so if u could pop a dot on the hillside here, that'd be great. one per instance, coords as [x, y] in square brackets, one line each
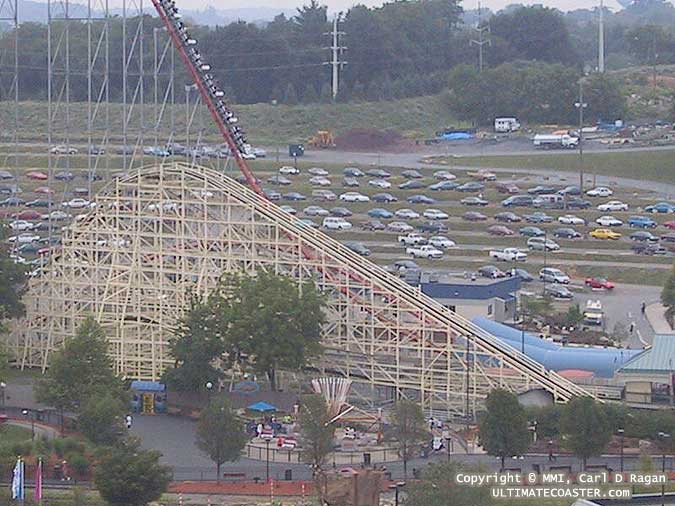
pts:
[266, 124]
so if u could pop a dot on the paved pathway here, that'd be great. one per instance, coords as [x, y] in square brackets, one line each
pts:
[656, 315]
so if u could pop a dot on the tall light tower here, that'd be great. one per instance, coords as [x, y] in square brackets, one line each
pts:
[581, 105]
[601, 39]
[481, 41]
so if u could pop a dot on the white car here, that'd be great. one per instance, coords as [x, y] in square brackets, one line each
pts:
[354, 197]
[435, 214]
[21, 225]
[287, 170]
[407, 214]
[77, 204]
[613, 205]
[63, 150]
[552, 275]
[399, 226]
[334, 223]
[24, 238]
[609, 221]
[318, 171]
[315, 211]
[508, 255]
[319, 181]
[379, 183]
[425, 251]
[441, 241]
[444, 175]
[288, 209]
[570, 219]
[600, 191]
[56, 216]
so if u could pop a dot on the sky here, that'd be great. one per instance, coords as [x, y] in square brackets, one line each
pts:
[336, 5]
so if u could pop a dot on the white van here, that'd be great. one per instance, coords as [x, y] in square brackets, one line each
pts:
[552, 201]
[505, 125]
[334, 223]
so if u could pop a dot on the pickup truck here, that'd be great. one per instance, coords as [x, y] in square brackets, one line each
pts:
[412, 239]
[509, 255]
[425, 251]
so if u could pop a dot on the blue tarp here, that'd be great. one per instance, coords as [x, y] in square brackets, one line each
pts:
[457, 136]
[262, 406]
[147, 386]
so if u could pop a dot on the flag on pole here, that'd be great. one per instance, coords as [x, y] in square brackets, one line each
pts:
[18, 480]
[38, 481]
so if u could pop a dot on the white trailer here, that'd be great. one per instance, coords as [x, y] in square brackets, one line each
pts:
[505, 125]
[555, 141]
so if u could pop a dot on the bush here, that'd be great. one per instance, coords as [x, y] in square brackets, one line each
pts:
[58, 446]
[23, 448]
[78, 463]
[72, 445]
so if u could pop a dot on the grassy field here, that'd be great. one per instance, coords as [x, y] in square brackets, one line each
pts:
[651, 165]
[266, 123]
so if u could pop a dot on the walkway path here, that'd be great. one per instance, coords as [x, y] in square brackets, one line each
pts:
[656, 315]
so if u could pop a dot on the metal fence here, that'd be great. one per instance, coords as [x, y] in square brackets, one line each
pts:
[338, 458]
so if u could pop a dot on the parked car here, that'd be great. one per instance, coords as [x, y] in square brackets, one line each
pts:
[23, 238]
[442, 242]
[358, 248]
[352, 172]
[518, 201]
[38, 203]
[570, 219]
[668, 238]
[648, 249]
[508, 255]
[380, 213]
[570, 190]
[566, 233]
[558, 292]
[443, 185]
[508, 188]
[354, 197]
[287, 170]
[613, 205]
[444, 175]
[335, 223]
[538, 217]
[28, 214]
[6, 175]
[605, 233]
[412, 184]
[542, 244]
[279, 180]
[500, 230]
[641, 222]
[432, 226]
[412, 174]
[317, 171]
[374, 225]
[379, 183]
[378, 173]
[609, 221]
[315, 211]
[319, 181]
[21, 225]
[532, 232]
[643, 236]
[576, 203]
[399, 226]
[384, 197]
[490, 271]
[63, 150]
[77, 203]
[424, 251]
[599, 284]
[12, 202]
[474, 201]
[553, 275]
[288, 209]
[324, 195]
[524, 276]
[474, 216]
[541, 190]
[435, 214]
[508, 217]
[407, 214]
[294, 196]
[472, 186]
[64, 176]
[412, 239]
[420, 199]
[340, 212]
[669, 225]
[350, 182]
[660, 207]
[600, 191]
[272, 194]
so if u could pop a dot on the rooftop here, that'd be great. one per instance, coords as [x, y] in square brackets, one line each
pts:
[659, 358]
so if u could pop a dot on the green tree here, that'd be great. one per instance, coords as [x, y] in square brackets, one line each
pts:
[272, 322]
[100, 419]
[605, 98]
[291, 96]
[4, 363]
[128, 475]
[408, 429]
[326, 94]
[503, 429]
[316, 433]
[585, 428]
[438, 488]
[79, 370]
[197, 341]
[668, 295]
[220, 434]
[310, 95]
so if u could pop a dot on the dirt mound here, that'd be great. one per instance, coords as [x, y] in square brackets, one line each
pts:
[367, 139]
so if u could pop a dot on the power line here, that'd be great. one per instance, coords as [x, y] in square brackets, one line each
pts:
[337, 51]
[481, 41]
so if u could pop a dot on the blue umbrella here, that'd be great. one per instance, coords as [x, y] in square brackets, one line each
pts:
[262, 406]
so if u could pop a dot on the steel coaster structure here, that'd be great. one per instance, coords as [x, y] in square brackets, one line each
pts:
[164, 231]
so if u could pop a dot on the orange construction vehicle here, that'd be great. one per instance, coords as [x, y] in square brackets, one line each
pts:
[322, 139]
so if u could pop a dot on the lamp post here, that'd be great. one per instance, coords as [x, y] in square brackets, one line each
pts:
[397, 486]
[267, 460]
[3, 385]
[664, 443]
[621, 435]
[209, 388]
[581, 105]
[447, 438]
[26, 412]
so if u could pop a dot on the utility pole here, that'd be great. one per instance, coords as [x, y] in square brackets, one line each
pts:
[581, 105]
[481, 40]
[336, 53]
[601, 39]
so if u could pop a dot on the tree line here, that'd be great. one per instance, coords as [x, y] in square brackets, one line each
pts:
[400, 49]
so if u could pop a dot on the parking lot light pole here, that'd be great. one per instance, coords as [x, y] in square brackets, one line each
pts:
[581, 105]
[3, 385]
[209, 388]
[267, 461]
[621, 435]
[27, 412]
[665, 439]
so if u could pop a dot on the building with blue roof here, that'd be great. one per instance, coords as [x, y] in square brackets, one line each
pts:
[650, 376]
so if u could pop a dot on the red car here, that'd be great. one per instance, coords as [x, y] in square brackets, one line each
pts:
[670, 225]
[43, 190]
[27, 215]
[599, 283]
[40, 176]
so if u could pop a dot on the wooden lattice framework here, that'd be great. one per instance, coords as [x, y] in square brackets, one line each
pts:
[168, 230]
